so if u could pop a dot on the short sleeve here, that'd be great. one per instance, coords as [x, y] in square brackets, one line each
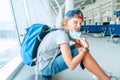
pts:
[62, 37]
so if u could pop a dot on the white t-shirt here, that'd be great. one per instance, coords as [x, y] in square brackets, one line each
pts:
[50, 45]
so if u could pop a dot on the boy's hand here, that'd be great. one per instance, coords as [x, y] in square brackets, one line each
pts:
[83, 42]
[77, 43]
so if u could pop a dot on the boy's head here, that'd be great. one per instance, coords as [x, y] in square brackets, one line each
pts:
[75, 14]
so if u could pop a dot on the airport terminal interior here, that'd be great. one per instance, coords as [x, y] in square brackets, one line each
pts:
[101, 28]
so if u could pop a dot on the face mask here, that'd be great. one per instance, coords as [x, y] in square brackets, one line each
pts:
[74, 34]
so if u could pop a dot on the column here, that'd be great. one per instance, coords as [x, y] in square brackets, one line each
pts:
[113, 8]
[69, 5]
[60, 17]
[100, 12]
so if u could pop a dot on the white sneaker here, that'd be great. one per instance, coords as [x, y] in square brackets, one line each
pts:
[95, 78]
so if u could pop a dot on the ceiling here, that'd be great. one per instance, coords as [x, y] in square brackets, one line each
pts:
[79, 4]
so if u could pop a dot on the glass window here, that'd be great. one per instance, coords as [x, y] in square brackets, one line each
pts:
[9, 44]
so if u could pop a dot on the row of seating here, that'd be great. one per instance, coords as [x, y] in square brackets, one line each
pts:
[106, 30]
[95, 29]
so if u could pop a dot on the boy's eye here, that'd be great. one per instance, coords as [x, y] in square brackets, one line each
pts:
[75, 22]
[80, 23]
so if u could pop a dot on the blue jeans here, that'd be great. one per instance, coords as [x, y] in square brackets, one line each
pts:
[59, 64]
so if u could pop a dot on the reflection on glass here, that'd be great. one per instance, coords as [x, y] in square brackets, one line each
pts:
[9, 46]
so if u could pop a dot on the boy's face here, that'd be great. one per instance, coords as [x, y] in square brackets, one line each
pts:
[74, 24]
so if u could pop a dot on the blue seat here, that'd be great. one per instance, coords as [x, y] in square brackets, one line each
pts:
[114, 32]
[96, 29]
[83, 28]
[91, 28]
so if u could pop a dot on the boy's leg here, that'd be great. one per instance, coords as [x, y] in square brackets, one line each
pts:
[90, 63]
[92, 66]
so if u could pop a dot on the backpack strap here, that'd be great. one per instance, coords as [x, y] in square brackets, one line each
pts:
[56, 53]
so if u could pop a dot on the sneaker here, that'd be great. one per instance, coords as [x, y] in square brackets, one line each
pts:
[95, 78]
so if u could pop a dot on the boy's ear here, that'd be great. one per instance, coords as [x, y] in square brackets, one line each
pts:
[65, 22]
[66, 19]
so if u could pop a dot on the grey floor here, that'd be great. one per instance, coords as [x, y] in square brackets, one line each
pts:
[107, 54]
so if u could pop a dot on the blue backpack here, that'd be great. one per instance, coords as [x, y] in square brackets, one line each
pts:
[31, 41]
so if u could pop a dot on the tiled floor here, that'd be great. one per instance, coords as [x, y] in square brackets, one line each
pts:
[106, 54]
